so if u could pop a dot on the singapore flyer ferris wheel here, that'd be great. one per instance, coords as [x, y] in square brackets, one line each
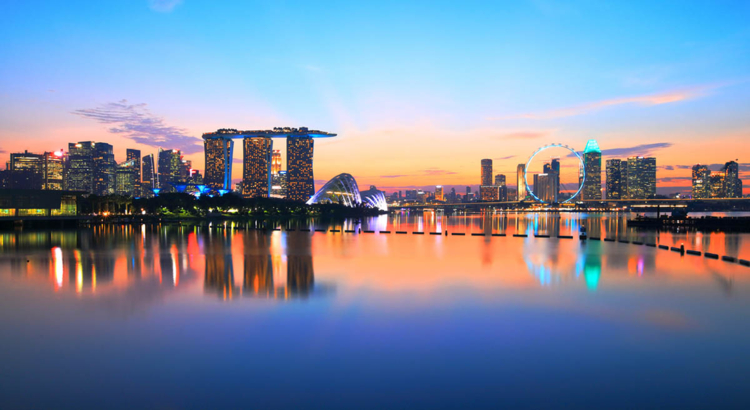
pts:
[543, 187]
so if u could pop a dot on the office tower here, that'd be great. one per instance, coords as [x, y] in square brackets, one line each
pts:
[299, 168]
[624, 179]
[169, 169]
[256, 167]
[486, 172]
[468, 190]
[104, 169]
[26, 170]
[614, 181]
[276, 162]
[218, 167]
[80, 173]
[439, 193]
[489, 193]
[135, 155]
[732, 181]
[126, 177]
[701, 187]
[553, 168]
[520, 183]
[716, 185]
[641, 177]
[53, 177]
[278, 185]
[546, 188]
[148, 176]
[500, 183]
[592, 162]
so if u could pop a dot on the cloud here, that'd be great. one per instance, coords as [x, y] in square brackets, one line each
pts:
[136, 122]
[504, 158]
[2, 151]
[647, 100]
[640, 150]
[163, 6]
[435, 171]
[666, 167]
[393, 176]
[527, 135]
[672, 179]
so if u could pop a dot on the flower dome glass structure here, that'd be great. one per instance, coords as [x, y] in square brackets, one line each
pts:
[343, 189]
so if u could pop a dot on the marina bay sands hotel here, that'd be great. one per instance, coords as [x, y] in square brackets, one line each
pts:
[257, 146]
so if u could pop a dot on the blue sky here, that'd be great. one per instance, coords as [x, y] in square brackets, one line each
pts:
[418, 89]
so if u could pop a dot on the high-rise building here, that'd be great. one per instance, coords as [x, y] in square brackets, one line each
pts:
[546, 188]
[592, 163]
[256, 167]
[26, 170]
[614, 179]
[276, 162]
[80, 172]
[299, 167]
[278, 185]
[716, 185]
[641, 177]
[218, 167]
[732, 181]
[520, 182]
[553, 169]
[486, 172]
[502, 188]
[149, 179]
[53, 177]
[439, 193]
[701, 188]
[170, 169]
[624, 179]
[104, 169]
[489, 193]
[126, 175]
[135, 155]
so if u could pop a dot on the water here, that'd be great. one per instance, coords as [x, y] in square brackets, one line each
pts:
[224, 317]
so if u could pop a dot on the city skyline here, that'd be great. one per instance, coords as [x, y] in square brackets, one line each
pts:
[676, 91]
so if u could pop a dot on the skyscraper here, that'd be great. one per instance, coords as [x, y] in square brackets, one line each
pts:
[592, 162]
[716, 185]
[218, 167]
[553, 169]
[502, 188]
[80, 173]
[104, 169]
[546, 188]
[614, 180]
[256, 167]
[732, 181]
[520, 183]
[486, 172]
[641, 177]
[26, 170]
[624, 179]
[149, 179]
[439, 193]
[135, 155]
[299, 167]
[701, 188]
[169, 167]
[126, 175]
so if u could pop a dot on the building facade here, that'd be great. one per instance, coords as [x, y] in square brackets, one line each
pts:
[592, 163]
[149, 179]
[520, 182]
[701, 182]
[80, 172]
[104, 169]
[641, 176]
[256, 167]
[169, 169]
[299, 167]
[614, 179]
[135, 156]
[218, 167]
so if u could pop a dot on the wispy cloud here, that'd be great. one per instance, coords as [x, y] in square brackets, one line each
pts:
[136, 122]
[436, 171]
[504, 158]
[393, 176]
[163, 6]
[640, 150]
[665, 97]
[527, 135]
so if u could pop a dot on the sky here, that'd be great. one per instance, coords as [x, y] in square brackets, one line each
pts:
[418, 92]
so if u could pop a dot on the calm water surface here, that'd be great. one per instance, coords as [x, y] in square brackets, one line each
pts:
[225, 317]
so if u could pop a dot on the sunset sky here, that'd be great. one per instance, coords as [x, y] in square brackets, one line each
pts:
[418, 92]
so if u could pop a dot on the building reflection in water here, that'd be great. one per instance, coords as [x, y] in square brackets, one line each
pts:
[263, 265]
[219, 276]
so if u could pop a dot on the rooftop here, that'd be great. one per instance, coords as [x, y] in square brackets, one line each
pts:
[277, 132]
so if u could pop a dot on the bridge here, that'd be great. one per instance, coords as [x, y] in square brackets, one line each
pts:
[638, 204]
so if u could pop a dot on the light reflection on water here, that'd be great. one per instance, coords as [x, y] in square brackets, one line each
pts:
[183, 312]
